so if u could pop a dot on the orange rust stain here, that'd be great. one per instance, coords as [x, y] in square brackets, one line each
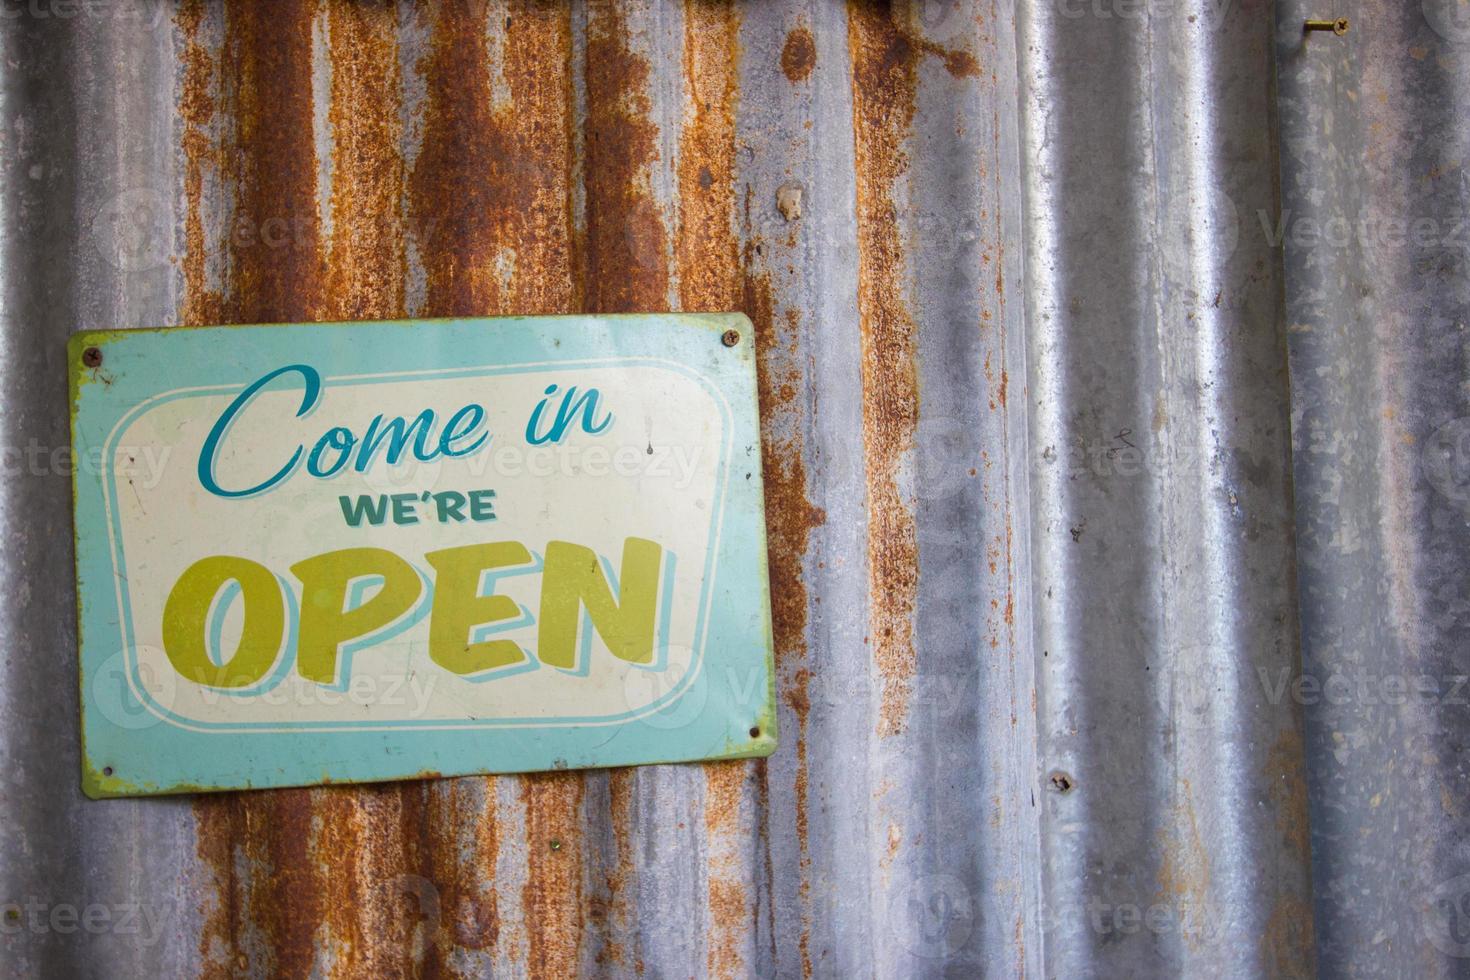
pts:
[287, 895]
[729, 907]
[957, 61]
[960, 64]
[895, 840]
[489, 196]
[357, 851]
[458, 843]
[1184, 876]
[790, 516]
[798, 54]
[883, 88]
[626, 250]
[1288, 942]
[1283, 771]
[365, 255]
[707, 249]
[197, 105]
[552, 897]
[368, 875]
[610, 911]
[275, 238]
[220, 836]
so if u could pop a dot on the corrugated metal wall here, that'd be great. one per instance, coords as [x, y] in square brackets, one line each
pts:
[1030, 444]
[1376, 223]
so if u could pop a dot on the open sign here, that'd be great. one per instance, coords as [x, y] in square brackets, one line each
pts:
[511, 518]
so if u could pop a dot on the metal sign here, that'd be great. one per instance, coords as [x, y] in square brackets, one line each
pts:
[351, 552]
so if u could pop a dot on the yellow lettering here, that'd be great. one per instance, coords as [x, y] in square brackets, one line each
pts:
[326, 624]
[459, 607]
[574, 579]
[186, 621]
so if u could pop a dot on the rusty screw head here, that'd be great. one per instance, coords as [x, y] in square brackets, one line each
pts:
[730, 338]
[1338, 26]
[92, 357]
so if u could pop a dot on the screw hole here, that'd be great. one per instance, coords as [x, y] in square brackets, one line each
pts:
[107, 770]
[92, 357]
[755, 732]
[1061, 782]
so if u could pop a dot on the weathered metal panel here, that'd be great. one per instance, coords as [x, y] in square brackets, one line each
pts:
[1161, 510]
[1028, 469]
[1374, 224]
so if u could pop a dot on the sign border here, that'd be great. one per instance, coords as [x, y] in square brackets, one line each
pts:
[111, 395]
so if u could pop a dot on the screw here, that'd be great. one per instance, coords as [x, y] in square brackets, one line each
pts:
[92, 357]
[730, 338]
[1338, 27]
[555, 844]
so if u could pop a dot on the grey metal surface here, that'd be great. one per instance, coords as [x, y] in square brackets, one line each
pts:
[1375, 198]
[1038, 572]
[1161, 510]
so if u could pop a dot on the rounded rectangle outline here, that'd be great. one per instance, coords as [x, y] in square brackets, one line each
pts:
[707, 588]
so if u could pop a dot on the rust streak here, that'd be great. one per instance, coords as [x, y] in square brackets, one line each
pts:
[289, 890]
[1185, 866]
[489, 192]
[275, 239]
[356, 847]
[708, 252]
[220, 833]
[884, 80]
[1288, 942]
[552, 898]
[626, 256]
[1288, 787]
[790, 518]
[610, 909]
[457, 844]
[197, 105]
[365, 256]
[730, 908]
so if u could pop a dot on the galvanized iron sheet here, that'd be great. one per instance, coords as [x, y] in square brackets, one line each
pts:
[1374, 222]
[1029, 468]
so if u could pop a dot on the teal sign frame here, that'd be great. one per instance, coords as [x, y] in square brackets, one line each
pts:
[579, 500]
